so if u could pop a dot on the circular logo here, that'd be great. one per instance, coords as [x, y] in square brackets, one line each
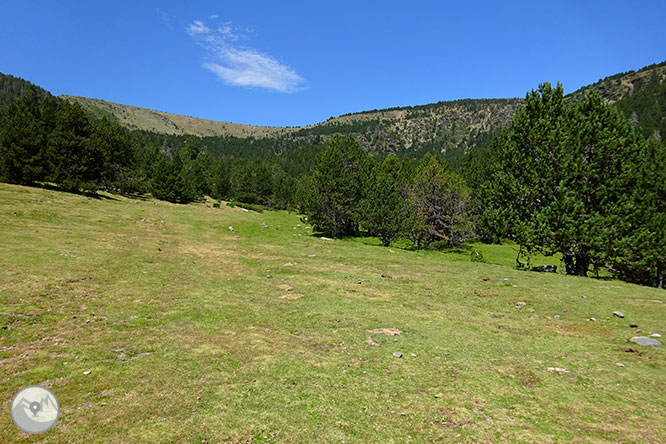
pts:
[35, 409]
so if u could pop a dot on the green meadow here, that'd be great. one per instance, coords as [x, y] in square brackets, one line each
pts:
[155, 323]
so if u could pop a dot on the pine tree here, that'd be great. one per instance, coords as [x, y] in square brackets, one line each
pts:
[338, 187]
[75, 163]
[167, 181]
[559, 177]
[385, 209]
[24, 129]
[440, 212]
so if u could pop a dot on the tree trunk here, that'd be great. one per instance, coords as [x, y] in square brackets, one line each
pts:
[660, 278]
[576, 265]
[569, 266]
[582, 265]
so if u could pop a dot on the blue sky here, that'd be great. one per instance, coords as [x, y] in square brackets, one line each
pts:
[298, 63]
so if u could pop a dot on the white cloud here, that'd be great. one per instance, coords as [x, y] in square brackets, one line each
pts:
[198, 28]
[240, 66]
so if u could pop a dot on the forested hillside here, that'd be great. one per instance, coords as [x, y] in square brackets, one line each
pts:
[438, 127]
[12, 88]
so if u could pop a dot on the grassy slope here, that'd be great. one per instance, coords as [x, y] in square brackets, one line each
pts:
[134, 117]
[187, 340]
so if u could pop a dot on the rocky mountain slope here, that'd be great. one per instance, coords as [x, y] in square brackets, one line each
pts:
[441, 126]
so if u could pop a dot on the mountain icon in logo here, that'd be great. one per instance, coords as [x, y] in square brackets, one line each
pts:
[35, 409]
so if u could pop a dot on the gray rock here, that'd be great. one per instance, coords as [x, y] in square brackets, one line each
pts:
[556, 317]
[644, 340]
[312, 255]
[655, 335]
[397, 354]
[619, 314]
[592, 319]
[520, 304]
[231, 228]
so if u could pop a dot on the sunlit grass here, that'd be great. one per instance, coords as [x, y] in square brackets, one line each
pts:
[181, 324]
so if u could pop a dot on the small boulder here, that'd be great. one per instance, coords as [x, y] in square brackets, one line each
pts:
[619, 314]
[655, 335]
[645, 341]
[397, 354]
[520, 304]
[231, 228]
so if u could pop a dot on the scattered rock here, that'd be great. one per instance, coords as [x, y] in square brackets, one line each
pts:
[558, 370]
[292, 296]
[584, 297]
[633, 325]
[520, 304]
[87, 372]
[413, 355]
[439, 395]
[654, 335]
[231, 228]
[268, 276]
[244, 210]
[645, 341]
[556, 317]
[325, 238]
[531, 310]
[619, 314]
[638, 331]
[312, 255]
[397, 354]
[619, 364]
[546, 268]
[386, 331]
[592, 319]
[359, 282]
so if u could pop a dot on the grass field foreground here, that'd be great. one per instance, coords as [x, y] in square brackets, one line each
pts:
[155, 323]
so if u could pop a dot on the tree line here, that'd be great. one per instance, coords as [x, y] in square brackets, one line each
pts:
[566, 177]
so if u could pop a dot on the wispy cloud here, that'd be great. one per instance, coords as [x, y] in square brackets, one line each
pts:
[238, 65]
